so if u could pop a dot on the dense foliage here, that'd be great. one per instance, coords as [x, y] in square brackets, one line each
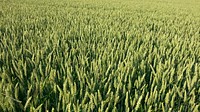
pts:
[98, 55]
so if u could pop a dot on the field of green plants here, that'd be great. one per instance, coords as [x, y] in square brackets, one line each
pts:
[99, 55]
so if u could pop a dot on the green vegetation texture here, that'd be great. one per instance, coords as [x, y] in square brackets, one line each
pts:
[100, 55]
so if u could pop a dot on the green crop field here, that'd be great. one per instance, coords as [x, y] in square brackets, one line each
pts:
[99, 55]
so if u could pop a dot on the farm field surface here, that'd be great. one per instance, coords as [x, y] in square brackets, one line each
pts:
[100, 55]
